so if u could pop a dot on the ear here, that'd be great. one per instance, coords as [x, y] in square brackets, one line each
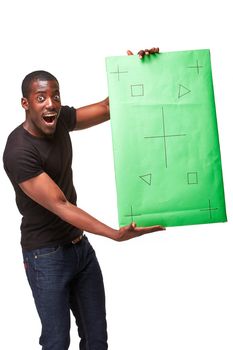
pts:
[24, 103]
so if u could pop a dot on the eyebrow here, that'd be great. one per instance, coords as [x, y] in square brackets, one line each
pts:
[44, 91]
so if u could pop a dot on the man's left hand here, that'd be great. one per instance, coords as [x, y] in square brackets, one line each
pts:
[145, 52]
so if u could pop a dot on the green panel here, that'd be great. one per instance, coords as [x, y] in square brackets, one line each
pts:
[165, 139]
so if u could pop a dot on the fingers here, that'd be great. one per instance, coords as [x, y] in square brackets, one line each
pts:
[147, 52]
[154, 50]
[130, 227]
[133, 225]
[129, 53]
[138, 231]
[141, 54]
[132, 231]
[149, 229]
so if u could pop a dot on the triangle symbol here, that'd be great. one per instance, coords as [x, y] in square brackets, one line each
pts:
[183, 91]
[146, 178]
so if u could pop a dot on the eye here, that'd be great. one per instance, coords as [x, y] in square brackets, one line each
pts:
[40, 98]
[56, 98]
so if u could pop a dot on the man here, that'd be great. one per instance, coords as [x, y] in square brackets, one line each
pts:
[61, 266]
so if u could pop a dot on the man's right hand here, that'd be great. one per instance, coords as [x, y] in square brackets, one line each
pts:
[132, 231]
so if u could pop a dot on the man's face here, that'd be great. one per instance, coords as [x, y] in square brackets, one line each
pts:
[42, 108]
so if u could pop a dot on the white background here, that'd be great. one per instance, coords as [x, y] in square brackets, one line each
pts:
[169, 290]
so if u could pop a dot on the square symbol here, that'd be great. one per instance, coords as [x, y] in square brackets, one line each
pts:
[137, 90]
[192, 178]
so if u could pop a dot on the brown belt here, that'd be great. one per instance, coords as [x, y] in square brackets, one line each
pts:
[77, 239]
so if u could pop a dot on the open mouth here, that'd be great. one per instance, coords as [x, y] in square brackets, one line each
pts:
[50, 118]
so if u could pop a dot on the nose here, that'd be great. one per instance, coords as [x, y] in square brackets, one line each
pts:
[49, 103]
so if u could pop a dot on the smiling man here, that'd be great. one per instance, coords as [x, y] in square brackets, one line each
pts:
[61, 266]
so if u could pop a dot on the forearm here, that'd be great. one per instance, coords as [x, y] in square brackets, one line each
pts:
[93, 114]
[82, 220]
[44, 191]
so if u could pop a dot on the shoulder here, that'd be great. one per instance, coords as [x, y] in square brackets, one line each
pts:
[18, 144]
[19, 138]
[67, 110]
[16, 134]
[21, 158]
[68, 117]
[15, 141]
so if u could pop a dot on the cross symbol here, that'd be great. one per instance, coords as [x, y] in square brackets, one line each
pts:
[132, 214]
[164, 137]
[118, 72]
[209, 209]
[197, 67]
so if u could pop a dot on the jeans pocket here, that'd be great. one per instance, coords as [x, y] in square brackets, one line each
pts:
[47, 252]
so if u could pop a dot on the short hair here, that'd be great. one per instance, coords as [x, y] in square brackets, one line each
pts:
[36, 75]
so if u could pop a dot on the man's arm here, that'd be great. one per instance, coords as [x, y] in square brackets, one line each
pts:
[93, 114]
[43, 190]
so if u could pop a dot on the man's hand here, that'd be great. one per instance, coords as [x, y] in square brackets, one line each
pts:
[146, 52]
[132, 231]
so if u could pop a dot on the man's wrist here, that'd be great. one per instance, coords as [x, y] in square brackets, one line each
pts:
[114, 234]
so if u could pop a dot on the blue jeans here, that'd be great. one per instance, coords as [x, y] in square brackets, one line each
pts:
[68, 278]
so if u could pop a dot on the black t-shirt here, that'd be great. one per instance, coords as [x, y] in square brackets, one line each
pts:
[27, 156]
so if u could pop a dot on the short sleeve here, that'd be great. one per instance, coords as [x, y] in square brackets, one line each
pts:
[21, 164]
[68, 117]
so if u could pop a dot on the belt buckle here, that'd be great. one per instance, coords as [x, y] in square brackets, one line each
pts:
[77, 239]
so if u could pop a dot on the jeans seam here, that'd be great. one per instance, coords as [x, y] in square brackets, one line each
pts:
[82, 318]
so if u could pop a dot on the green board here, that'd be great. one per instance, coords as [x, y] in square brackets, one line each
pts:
[165, 139]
